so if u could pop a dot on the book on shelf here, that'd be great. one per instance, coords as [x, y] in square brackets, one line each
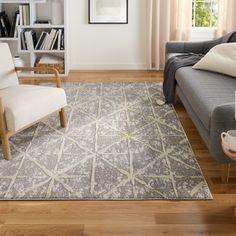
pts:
[62, 41]
[28, 39]
[23, 40]
[4, 29]
[24, 12]
[8, 29]
[53, 40]
[31, 39]
[41, 40]
[59, 39]
[50, 39]
[15, 24]
[5, 26]
[44, 41]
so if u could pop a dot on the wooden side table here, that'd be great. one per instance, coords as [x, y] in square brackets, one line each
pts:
[226, 168]
[232, 156]
[228, 153]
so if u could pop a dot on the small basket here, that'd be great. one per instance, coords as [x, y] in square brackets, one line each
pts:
[60, 67]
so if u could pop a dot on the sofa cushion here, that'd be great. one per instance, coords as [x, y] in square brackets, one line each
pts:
[205, 91]
[25, 104]
[219, 59]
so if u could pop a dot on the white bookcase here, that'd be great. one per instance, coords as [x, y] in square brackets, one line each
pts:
[39, 10]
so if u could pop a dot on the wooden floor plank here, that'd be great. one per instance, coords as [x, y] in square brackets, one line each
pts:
[169, 230]
[42, 230]
[189, 218]
[80, 218]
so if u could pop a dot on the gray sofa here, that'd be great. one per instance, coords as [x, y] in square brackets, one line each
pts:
[209, 98]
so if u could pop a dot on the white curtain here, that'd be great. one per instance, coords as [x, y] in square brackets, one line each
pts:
[167, 20]
[227, 17]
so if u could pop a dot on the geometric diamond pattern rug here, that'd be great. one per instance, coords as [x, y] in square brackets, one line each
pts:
[119, 145]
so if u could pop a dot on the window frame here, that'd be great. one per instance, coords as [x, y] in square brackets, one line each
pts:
[202, 28]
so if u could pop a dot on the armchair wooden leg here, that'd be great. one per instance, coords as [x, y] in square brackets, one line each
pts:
[225, 173]
[63, 118]
[6, 148]
[3, 134]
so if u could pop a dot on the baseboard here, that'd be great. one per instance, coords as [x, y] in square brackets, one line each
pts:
[108, 67]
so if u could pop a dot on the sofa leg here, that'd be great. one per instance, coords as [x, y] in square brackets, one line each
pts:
[63, 118]
[225, 173]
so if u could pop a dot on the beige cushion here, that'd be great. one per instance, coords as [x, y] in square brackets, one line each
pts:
[25, 104]
[8, 76]
[221, 59]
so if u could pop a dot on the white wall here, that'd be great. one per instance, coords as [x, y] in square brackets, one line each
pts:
[107, 46]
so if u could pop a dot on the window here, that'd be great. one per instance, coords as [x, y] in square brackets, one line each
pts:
[205, 13]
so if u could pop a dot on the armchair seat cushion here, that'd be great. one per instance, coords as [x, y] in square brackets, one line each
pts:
[26, 104]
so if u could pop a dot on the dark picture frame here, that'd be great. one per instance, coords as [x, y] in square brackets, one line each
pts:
[93, 17]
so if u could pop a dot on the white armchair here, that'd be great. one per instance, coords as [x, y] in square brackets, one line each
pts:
[21, 106]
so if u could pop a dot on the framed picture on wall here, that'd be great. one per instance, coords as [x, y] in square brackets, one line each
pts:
[108, 11]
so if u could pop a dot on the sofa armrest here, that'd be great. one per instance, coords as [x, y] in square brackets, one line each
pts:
[191, 47]
[222, 120]
[197, 47]
[183, 47]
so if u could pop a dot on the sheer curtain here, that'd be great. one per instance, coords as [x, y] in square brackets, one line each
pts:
[227, 17]
[167, 20]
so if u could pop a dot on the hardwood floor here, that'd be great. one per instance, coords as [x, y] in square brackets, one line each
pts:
[149, 218]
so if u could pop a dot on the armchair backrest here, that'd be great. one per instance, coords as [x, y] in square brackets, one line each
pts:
[8, 75]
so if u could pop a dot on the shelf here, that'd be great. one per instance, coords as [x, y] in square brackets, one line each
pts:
[48, 51]
[22, 2]
[42, 51]
[32, 75]
[41, 26]
[8, 39]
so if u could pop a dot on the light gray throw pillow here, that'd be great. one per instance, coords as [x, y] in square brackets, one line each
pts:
[221, 59]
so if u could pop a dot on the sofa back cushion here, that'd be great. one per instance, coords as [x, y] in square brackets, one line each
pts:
[8, 76]
[220, 59]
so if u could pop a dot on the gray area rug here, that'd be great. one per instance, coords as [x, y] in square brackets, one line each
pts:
[119, 145]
